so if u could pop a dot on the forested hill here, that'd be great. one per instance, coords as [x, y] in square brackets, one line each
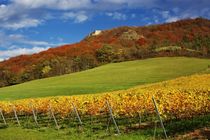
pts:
[189, 37]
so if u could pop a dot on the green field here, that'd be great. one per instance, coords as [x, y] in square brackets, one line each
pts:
[30, 132]
[68, 134]
[109, 77]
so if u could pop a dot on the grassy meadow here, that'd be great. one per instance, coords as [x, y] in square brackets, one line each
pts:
[110, 77]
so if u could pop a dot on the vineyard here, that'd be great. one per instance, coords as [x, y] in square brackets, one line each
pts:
[182, 98]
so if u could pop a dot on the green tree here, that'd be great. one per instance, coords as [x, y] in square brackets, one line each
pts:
[46, 70]
[105, 54]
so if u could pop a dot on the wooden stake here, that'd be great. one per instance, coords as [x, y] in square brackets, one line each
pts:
[2, 115]
[107, 128]
[111, 115]
[52, 114]
[16, 115]
[159, 117]
[34, 115]
[76, 112]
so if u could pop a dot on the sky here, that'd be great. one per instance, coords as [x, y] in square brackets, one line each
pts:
[31, 26]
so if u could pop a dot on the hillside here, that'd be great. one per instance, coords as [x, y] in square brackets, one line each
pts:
[190, 37]
[109, 77]
[183, 103]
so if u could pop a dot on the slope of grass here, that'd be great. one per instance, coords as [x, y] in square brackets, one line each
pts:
[109, 77]
[19, 133]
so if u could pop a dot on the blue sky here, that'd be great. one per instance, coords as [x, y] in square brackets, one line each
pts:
[31, 26]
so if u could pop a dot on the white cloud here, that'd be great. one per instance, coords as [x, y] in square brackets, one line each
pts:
[117, 15]
[165, 14]
[23, 23]
[5, 54]
[6, 11]
[17, 44]
[83, 4]
[13, 16]
[130, 3]
[183, 16]
[37, 43]
[176, 14]
[54, 4]
[11, 39]
[172, 19]
[2, 5]
[78, 17]
[1, 59]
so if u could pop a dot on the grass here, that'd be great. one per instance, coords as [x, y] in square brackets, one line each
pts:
[173, 128]
[19, 133]
[184, 125]
[109, 77]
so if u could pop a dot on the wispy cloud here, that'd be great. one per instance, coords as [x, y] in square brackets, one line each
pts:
[54, 4]
[23, 23]
[78, 17]
[5, 54]
[172, 19]
[11, 39]
[13, 16]
[117, 15]
[16, 44]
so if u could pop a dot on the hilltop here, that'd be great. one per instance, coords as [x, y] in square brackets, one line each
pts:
[189, 37]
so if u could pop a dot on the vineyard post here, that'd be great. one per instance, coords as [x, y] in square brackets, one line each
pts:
[2, 115]
[158, 114]
[77, 114]
[111, 115]
[108, 122]
[34, 115]
[52, 114]
[14, 110]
